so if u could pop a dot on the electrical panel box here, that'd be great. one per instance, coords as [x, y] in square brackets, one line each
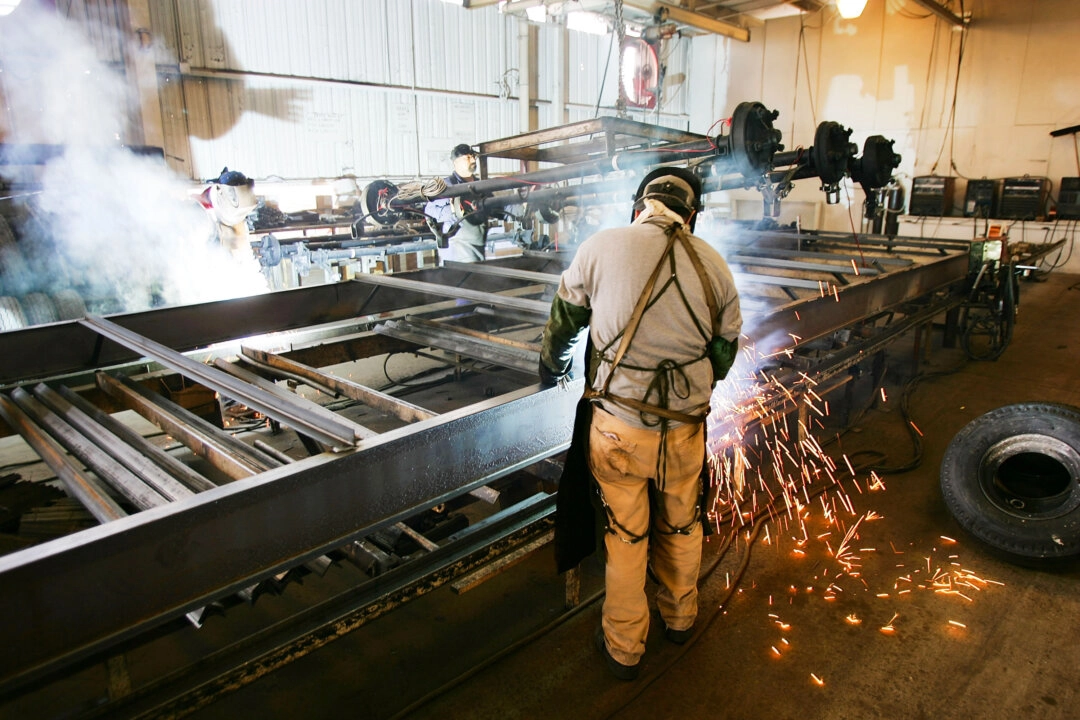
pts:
[1068, 205]
[931, 195]
[1023, 198]
[980, 199]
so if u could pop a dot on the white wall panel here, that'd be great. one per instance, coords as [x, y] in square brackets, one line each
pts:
[319, 88]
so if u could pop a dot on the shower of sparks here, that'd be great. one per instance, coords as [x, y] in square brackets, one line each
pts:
[767, 464]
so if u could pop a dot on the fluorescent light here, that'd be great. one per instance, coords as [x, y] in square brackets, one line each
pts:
[536, 13]
[850, 9]
[7, 6]
[587, 22]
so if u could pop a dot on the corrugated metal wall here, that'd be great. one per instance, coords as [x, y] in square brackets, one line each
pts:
[321, 88]
[374, 88]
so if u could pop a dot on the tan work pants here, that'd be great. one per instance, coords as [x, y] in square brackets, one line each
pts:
[623, 460]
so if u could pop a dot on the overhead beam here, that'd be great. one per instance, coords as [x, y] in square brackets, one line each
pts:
[674, 13]
[693, 19]
[941, 11]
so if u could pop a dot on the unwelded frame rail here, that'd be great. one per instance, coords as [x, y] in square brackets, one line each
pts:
[334, 434]
[216, 543]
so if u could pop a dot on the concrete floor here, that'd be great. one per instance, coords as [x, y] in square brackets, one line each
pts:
[795, 637]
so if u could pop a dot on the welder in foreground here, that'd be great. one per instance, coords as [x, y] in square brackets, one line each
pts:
[664, 321]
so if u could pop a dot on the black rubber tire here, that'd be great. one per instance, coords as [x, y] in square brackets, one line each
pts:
[39, 309]
[11, 314]
[69, 305]
[1011, 478]
[7, 237]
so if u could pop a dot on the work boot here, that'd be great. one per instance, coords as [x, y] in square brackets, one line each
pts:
[616, 668]
[679, 637]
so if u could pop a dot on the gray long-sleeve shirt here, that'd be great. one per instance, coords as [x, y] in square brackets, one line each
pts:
[607, 276]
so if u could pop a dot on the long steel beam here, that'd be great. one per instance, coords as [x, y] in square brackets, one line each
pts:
[819, 316]
[304, 417]
[537, 307]
[943, 12]
[373, 398]
[217, 542]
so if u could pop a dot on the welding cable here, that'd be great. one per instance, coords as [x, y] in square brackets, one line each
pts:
[1005, 321]
[913, 431]
[407, 382]
[645, 683]
[759, 520]
[1070, 232]
[576, 610]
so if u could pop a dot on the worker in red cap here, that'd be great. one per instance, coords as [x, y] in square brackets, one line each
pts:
[663, 324]
[464, 227]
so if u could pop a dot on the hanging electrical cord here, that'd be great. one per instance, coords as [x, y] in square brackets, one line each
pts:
[620, 34]
[926, 83]
[801, 50]
[951, 124]
[603, 79]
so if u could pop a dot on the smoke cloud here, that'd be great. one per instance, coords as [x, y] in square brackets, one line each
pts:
[120, 229]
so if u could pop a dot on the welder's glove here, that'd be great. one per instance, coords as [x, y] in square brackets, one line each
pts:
[722, 354]
[469, 211]
[550, 378]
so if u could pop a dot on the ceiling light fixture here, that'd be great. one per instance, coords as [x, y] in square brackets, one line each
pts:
[850, 9]
[588, 22]
[536, 13]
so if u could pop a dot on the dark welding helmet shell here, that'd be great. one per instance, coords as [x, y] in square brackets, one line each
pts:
[234, 178]
[678, 188]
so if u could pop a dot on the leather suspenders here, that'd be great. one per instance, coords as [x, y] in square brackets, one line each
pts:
[676, 233]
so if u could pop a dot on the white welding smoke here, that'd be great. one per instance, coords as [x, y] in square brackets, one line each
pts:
[121, 229]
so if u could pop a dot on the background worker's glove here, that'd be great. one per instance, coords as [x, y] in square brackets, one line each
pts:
[551, 378]
[468, 211]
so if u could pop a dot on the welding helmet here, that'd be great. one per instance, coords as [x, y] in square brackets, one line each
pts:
[678, 188]
[233, 178]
